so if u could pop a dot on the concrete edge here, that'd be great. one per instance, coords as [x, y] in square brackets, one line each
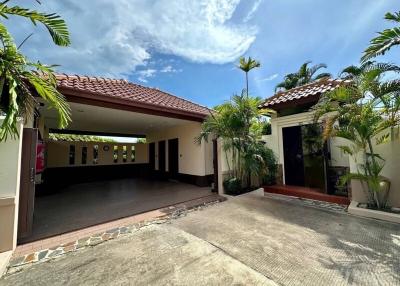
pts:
[386, 216]
[4, 260]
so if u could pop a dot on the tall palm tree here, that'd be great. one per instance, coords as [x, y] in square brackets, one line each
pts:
[247, 65]
[21, 80]
[304, 75]
[385, 40]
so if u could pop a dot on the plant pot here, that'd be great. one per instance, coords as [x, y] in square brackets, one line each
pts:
[383, 193]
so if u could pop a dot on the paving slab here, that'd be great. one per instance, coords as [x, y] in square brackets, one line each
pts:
[294, 244]
[247, 240]
[155, 255]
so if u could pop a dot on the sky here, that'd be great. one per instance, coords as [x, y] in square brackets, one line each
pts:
[191, 48]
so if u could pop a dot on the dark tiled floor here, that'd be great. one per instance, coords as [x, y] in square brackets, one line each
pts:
[83, 205]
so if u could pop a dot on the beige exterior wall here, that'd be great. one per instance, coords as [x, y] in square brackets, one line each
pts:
[194, 159]
[58, 153]
[391, 153]
[275, 140]
[10, 167]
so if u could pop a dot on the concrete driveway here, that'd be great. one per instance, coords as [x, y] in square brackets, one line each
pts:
[248, 240]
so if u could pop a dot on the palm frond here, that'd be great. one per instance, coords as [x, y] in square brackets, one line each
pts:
[54, 23]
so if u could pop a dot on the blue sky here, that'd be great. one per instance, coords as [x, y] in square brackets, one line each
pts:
[190, 48]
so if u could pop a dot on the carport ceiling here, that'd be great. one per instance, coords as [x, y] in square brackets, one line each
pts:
[106, 120]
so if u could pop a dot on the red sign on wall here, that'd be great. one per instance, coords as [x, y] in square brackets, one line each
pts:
[40, 149]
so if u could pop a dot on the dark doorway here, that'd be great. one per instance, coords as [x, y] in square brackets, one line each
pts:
[27, 183]
[152, 156]
[161, 156]
[173, 157]
[293, 156]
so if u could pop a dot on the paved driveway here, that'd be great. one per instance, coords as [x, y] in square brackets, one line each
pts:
[246, 240]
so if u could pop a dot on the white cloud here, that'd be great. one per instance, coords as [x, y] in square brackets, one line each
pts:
[112, 38]
[268, 78]
[145, 74]
[253, 10]
[170, 69]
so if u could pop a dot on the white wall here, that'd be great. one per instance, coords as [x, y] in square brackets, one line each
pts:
[194, 159]
[391, 153]
[58, 153]
[10, 165]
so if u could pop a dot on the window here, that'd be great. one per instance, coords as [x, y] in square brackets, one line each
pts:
[133, 153]
[84, 155]
[124, 154]
[95, 154]
[115, 154]
[71, 154]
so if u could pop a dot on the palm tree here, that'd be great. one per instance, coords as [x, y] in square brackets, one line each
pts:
[230, 122]
[364, 108]
[247, 65]
[385, 40]
[304, 75]
[21, 80]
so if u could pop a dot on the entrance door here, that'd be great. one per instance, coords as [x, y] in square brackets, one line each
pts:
[27, 183]
[161, 157]
[152, 156]
[293, 156]
[173, 157]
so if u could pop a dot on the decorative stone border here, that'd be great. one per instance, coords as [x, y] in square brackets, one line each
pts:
[18, 264]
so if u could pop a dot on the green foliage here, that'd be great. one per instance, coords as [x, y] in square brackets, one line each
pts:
[233, 186]
[266, 128]
[386, 39]
[236, 122]
[363, 110]
[78, 138]
[304, 75]
[21, 80]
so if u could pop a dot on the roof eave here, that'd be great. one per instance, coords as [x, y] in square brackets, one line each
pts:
[91, 98]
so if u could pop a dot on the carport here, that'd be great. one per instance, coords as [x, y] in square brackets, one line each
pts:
[88, 183]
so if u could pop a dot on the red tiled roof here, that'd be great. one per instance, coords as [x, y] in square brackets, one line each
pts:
[298, 93]
[130, 92]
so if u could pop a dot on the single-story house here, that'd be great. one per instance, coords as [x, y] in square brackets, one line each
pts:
[311, 164]
[55, 186]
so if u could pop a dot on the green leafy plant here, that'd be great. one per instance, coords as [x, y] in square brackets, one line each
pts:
[21, 81]
[357, 111]
[386, 39]
[234, 122]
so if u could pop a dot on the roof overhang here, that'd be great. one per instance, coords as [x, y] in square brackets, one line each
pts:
[94, 99]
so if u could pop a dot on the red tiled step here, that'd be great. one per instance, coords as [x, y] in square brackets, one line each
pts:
[307, 193]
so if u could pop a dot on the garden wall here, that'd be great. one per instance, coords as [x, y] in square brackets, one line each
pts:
[391, 153]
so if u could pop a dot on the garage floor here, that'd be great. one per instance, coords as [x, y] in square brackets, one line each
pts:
[82, 205]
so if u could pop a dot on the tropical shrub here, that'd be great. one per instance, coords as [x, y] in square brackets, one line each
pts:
[236, 122]
[364, 111]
